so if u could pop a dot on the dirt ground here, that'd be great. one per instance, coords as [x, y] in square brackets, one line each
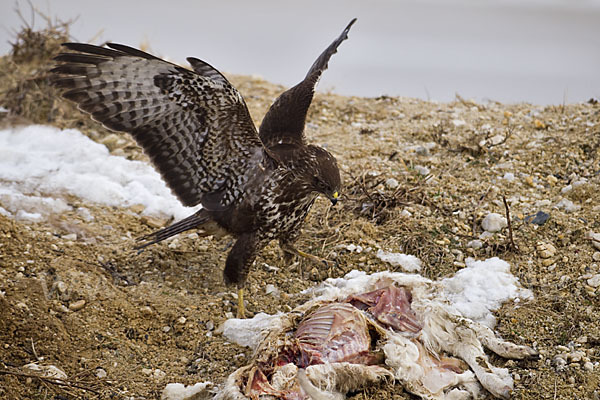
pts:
[419, 178]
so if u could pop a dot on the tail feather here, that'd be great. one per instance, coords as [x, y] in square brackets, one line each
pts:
[191, 222]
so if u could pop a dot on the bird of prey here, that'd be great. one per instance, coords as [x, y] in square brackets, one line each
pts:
[197, 131]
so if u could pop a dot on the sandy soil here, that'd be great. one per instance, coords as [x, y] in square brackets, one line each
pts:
[154, 318]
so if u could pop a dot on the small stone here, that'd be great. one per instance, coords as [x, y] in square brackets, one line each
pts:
[101, 373]
[559, 363]
[272, 290]
[539, 124]
[493, 222]
[61, 287]
[392, 183]
[567, 205]
[529, 181]
[545, 250]
[146, 310]
[137, 208]
[166, 329]
[158, 374]
[588, 366]
[405, 213]
[77, 305]
[153, 222]
[539, 218]
[509, 176]
[596, 256]
[595, 238]
[594, 281]
[209, 325]
[551, 179]
[571, 380]
[146, 371]
[422, 170]
[475, 244]
[70, 236]
[181, 320]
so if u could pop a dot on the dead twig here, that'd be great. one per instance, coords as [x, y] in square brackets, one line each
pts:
[510, 232]
[481, 198]
[54, 381]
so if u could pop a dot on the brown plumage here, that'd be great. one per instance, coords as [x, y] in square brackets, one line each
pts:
[198, 133]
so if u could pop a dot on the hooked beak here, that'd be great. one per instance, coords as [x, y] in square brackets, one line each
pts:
[334, 198]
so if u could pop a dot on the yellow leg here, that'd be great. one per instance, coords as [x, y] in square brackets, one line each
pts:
[241, 313]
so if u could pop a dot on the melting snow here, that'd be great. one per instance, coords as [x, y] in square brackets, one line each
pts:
[474, 291]
[39, 165]
[178, 391]
[408, 262]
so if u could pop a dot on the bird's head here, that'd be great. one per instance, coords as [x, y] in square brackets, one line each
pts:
[325, 177]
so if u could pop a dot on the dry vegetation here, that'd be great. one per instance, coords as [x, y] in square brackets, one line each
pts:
[153, 318]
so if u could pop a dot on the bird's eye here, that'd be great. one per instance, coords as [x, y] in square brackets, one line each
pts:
[320, 185]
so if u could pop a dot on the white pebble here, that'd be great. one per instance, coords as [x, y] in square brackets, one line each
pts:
[588, 366]
[61, 287]
[146, 371]
[271, 289]
[567, 205]
[493, 222]
[594, 281]
[392, 183]
[146, 310]
[509, 176]
[422, 170]
[101, 373]
[595, 238]
[70, 236]
[181, 320]
[475, 244]
[566, 189]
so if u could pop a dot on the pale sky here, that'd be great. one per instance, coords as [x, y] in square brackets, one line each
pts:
[543, 52]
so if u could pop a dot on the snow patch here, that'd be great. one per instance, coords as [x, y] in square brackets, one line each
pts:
[482, 287]
[39, 165]
[178, 391]
[407, 262]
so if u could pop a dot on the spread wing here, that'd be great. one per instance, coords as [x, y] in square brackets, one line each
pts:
[194, 125]
[284, 122]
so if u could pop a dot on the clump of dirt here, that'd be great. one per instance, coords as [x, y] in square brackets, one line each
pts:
[419, 178]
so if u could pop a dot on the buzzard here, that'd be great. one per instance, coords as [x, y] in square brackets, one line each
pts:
[197, 131]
